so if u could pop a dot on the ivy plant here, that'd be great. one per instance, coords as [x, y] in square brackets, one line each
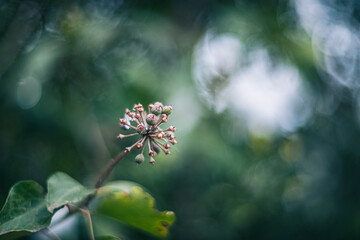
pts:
[29, 207]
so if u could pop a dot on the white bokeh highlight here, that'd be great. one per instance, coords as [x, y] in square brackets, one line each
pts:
[267, 96]
[28, 92]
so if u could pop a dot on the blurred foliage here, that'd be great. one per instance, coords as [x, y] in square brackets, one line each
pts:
[69, 69]
[134, 207]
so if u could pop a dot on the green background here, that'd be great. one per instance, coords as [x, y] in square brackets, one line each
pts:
[68, 70]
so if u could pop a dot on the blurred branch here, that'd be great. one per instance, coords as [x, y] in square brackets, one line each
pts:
[89, 222]
[109, 168]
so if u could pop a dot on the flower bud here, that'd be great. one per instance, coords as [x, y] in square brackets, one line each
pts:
[137, 116]
[167, 146]
[156, 148]
[151, 119]
[127, 111]
[139, 158]
[152, 160]
[167, 110]
[173, 142]
[120, 136]
[140, 127]
[159, 136]
[159, 103]
[171, 128]
[157, 109]
[151, 153]
[170, 135]
[137, 105]
[138, 146]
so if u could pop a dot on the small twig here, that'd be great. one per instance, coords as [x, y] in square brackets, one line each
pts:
[89, 222]
[84, 209]
[109, 168]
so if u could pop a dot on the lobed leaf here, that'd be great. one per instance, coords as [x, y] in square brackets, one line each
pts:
[63, 189]
[129, 203]
[24, 209]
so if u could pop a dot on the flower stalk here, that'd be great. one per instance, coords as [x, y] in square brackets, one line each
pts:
[148, 128]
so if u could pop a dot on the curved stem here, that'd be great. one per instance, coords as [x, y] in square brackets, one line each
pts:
[100, 181]
[89, 222]
[109, 168]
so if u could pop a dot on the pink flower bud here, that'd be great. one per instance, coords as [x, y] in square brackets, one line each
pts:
[120, 136]
[167, 110]
[152, 160]
[140, 127]
[151, 119]
[157, 109]
[159, 103]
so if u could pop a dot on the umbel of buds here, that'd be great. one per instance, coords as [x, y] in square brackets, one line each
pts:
[148, 128]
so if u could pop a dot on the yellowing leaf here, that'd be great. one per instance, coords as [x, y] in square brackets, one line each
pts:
[128, 203]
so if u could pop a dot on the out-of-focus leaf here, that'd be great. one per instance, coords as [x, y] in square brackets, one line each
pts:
[24, 209]
[128, 203]
[107, 238]
[63, 189]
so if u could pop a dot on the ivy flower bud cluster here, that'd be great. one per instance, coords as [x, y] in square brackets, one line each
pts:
[147, 127]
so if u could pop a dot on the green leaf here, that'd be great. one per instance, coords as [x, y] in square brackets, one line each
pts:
[108, 237]
[129, 203]
[24, 209]
[63, 189]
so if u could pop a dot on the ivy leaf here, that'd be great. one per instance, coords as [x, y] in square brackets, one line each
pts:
[129, 203]
[24, 209]
[63, 189]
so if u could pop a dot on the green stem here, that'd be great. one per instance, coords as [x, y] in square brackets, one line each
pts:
[89, 222]
[109, 168]
[99, 183]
